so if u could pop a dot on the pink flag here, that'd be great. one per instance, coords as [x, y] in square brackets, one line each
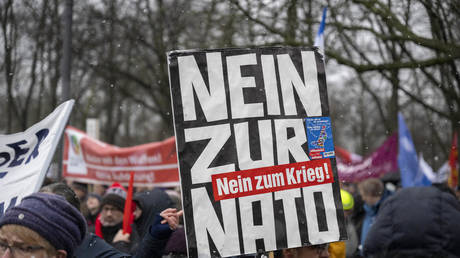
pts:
[381, 161]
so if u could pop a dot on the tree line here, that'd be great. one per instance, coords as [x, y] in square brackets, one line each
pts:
[382, 57]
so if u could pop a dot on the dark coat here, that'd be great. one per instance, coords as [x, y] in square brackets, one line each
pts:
[145, 245]
[94, 246]
[151, 203]
[416, 221]
[155, 240]
[177, 243]
[151, 246]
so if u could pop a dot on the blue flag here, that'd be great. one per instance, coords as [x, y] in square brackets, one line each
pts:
[319, 40]
[407, 158]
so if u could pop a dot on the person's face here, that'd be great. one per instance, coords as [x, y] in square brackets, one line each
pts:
[11, 245]
[111, 216]
[93, 204]
[137, 213]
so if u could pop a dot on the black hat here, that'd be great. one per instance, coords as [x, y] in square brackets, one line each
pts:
[115, 200]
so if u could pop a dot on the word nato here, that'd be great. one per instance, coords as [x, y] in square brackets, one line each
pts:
[213, 101]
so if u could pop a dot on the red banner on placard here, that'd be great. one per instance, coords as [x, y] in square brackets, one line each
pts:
[271, 179]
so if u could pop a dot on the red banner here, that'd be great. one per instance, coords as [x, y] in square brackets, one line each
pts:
[271, 179]
[91, 161]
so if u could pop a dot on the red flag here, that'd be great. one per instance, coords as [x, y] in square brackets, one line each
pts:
[453, 157]
[347, 157]
[128, 213]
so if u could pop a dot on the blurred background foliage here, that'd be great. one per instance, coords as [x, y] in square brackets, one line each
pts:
[382, 57]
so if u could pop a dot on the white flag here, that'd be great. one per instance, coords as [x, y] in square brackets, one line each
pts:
[25, 156]
[425, 169]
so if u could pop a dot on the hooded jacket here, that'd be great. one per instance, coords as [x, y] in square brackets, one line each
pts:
[151, 203]
[416, 221]
[145, 245]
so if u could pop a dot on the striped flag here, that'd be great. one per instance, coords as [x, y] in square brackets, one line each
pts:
[319, 40]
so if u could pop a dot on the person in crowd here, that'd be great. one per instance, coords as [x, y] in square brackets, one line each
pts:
[148, 205]
[92, 245]
[100, 189]
[42, 225]
[416, 222]
[177, 245]
[158, 233]
[152, 244]
[347, 248]
[373, 194]
[351, 245]
[80, 189]
[93, 203]
[110, 220]
[312, 251]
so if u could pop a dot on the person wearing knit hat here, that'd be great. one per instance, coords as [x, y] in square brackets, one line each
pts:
[42, 225]
[110, 220]
[113, 205]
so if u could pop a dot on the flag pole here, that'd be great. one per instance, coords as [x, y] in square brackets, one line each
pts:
[128, 212]
[66, 72]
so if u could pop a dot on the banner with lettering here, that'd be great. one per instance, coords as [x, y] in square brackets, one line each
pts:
[255, 150]
[88, 160]
[26, 156]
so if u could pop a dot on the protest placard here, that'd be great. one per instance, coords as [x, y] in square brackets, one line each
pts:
[26, 156]
[89, 160]
[246, 121]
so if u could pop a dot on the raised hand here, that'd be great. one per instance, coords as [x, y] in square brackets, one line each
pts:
[171, 216]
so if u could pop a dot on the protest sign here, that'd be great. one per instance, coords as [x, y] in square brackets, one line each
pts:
[89, 160]
[245, 123]
[25, 156]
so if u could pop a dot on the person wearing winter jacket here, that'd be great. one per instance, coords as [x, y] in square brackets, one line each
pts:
[153, 205]
[110, 220]
[148, 205]
[416, 222]
[373, 194]
[151, 245]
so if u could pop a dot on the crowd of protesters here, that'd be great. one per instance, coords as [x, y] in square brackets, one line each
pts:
[386, 221]
[66, 221]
